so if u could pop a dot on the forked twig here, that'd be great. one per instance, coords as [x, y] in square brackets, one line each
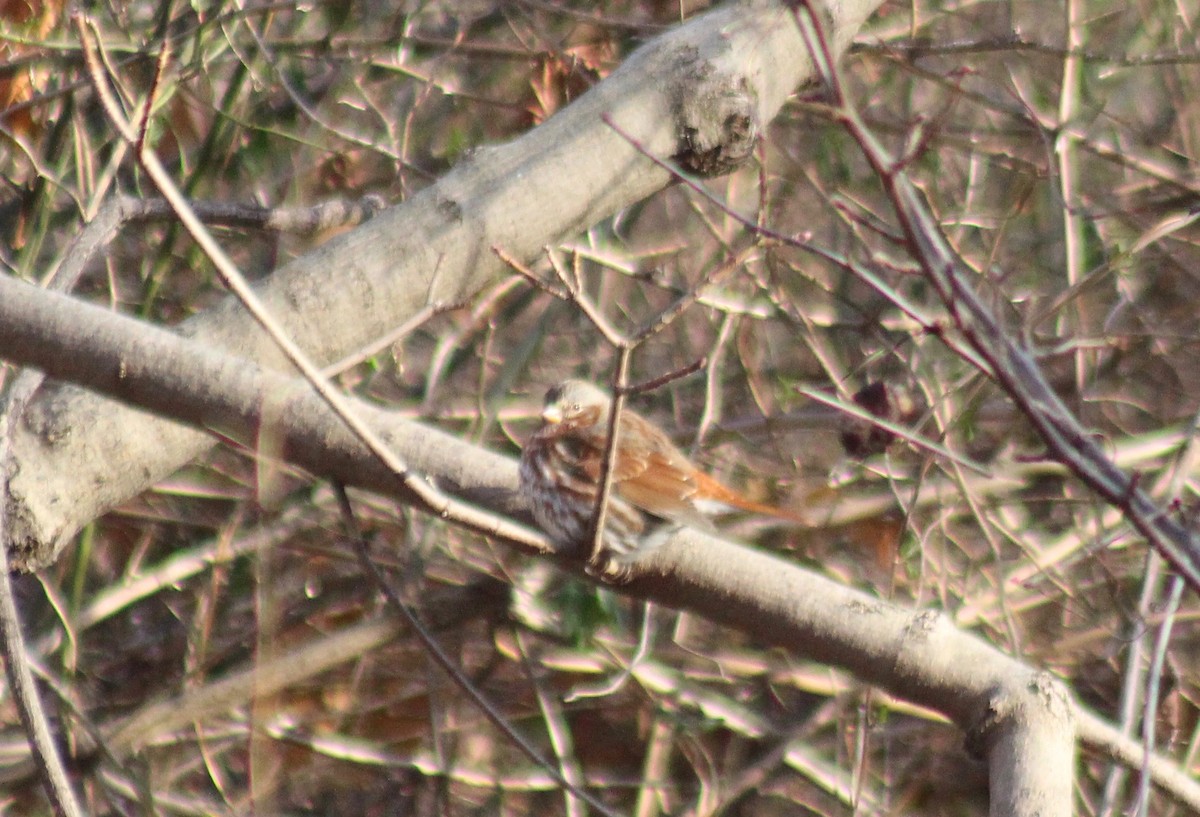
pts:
[624, 345]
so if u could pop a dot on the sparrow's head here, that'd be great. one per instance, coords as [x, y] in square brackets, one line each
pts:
[575, 401]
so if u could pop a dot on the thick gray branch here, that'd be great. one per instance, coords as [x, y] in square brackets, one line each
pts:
[160, 371]
[1019, 718]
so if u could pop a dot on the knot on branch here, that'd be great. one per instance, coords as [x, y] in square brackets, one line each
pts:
[25, 552]
[716, 116]
[1043, 700]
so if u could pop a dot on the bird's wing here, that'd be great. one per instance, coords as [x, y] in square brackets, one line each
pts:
[656, 485]
[658, 479]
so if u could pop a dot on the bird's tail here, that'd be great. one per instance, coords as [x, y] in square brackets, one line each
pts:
[713, 491]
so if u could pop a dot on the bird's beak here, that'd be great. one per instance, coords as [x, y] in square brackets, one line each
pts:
[552, 414]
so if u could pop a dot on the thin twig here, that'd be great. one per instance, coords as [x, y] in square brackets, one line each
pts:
[121, 210]
[1154, 681]
[656, 383]
[859, 413]
[557, 728]
[624, 347]
[1074, 224]
[608, 461]
[1133, 686]
[160, 70]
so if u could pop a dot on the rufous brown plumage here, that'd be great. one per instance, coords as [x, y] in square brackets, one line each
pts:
[652, 480]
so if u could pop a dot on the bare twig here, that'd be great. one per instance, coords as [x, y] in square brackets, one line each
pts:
[121, 210]
[897, 429]
[160, 70]
[1133, 686]
[557, 728]
[1074, 224]
[624, 348]
[1154, 683]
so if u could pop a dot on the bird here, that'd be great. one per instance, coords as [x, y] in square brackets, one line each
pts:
[653, 483]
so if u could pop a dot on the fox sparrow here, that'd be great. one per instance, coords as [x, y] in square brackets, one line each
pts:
[652, 481]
